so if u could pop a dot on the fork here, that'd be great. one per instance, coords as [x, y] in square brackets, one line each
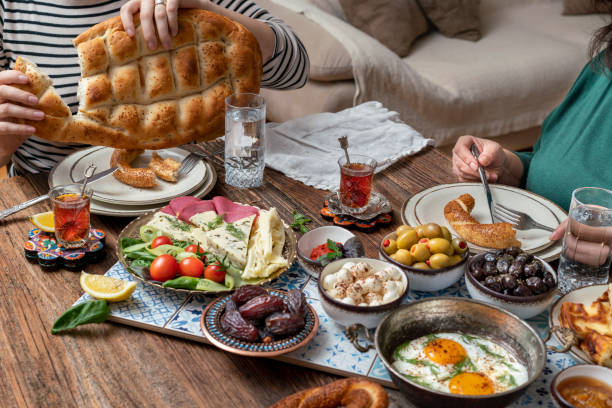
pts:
[188, 164]
[517, 219]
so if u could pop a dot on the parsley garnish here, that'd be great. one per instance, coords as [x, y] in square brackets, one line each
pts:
[216, 223]
[335, 253]
[417, 380]
[489, 352]
[507, 378]
[235, 231]
[183, 226]
[415, 361]
[298, 222]
[466, 364]
[467, 338]
[430, 338]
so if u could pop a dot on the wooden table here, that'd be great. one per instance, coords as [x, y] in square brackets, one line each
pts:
[111, 365]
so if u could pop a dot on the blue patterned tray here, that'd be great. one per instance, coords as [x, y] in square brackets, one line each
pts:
[178, 314]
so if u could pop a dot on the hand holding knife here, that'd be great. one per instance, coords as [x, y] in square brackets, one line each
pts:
[483, 178]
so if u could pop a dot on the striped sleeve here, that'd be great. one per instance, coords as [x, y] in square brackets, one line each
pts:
[289, 66]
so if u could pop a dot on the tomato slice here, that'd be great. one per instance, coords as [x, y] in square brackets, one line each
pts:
[191, 267]
[162, 240]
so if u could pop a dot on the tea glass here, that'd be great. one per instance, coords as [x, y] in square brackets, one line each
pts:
[71, 214]
[356, 182]
[586, 255]
[245, 131]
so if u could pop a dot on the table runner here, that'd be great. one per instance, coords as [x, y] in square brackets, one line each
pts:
[178, 314]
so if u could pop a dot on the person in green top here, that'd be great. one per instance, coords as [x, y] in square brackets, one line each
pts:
[575, 147]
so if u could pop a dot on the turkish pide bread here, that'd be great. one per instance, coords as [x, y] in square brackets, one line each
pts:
[131, 97]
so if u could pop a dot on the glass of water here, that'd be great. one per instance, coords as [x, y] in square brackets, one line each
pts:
[245, 131]
[586, 255]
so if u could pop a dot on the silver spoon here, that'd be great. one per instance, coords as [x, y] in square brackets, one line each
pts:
[89, 171]
[344, 145]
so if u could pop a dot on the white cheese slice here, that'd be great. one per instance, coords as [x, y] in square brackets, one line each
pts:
[202, 219]
[179, 230]
[232, 240]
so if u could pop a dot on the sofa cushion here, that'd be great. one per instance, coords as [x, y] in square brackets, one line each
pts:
[454, 18]
[573, 7]
[329, 60]
[332, 7]
[395, 23]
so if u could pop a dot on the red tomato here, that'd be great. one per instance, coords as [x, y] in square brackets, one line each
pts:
[164, 267]
[215, 273]
[163, 240]
[191, 267]
[196, 249]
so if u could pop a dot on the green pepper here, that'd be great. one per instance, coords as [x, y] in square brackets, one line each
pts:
[135, 247]
[182, 282]
[165, 249]
[210, 286]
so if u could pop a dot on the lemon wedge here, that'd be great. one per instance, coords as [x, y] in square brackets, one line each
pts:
[44, 221]
[105, 287]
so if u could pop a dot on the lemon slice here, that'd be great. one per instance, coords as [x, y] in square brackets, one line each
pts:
[105, 287]
[44, 221]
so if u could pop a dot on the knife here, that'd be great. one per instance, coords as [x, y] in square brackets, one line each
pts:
[483, 178]
[29, 203]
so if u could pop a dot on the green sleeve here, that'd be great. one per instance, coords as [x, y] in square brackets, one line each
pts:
[525, 159]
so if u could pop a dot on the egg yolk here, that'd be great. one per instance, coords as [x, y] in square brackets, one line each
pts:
[445, 351]
[471, 384]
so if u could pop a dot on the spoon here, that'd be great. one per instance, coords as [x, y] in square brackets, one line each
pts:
[344, 145]
[89, 171]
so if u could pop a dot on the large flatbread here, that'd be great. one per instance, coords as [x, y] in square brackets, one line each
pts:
[133, 98]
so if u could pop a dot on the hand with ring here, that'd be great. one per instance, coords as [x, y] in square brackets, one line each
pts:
[156, 15]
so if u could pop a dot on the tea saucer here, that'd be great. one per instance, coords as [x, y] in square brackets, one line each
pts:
[377, 205]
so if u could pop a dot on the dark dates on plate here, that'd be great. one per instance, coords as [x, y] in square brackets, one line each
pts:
[296, 303]
[282, 324]
[261, 306]
[246, 293]
[235, 325]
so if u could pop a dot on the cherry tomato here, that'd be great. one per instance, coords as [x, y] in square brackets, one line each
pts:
[191, 267]
[164, 267]
[196, 249]
[215, 273]
[162, 240]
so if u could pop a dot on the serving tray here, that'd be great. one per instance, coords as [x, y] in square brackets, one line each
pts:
[178, 314]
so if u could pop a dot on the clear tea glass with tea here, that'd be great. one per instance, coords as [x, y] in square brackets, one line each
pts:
[71, 214]
[356, 181]
[587, 255]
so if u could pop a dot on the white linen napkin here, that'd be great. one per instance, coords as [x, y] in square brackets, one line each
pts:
[307, 149]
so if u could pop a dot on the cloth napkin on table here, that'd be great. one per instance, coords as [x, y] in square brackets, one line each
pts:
[307, 149]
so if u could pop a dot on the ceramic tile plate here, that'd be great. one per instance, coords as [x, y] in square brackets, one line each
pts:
[586, 295]
[110, 190]
[212, 329]
[428, 206]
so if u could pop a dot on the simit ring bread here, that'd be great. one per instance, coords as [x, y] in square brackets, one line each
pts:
[133, 176]
[498, 235]
[350, 392]
[133, 98]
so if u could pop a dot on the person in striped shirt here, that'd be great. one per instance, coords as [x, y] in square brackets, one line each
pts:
[42, 31]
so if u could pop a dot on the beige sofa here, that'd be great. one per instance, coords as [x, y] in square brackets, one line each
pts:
[502, 86]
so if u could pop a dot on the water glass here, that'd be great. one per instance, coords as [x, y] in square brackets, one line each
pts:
[245, 128]
[71, 215]
[356, 182]
[586, 255]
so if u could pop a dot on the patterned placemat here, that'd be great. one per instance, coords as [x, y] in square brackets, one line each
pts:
[178, 314]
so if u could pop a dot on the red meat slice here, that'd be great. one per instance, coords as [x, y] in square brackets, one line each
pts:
[232, 211]
[178, 204]
[167, 210]
[196, 208]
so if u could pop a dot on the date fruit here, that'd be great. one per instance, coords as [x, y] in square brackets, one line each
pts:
[246, 293]
[261, 306]
[236, 326]
[282, 324]
[296, 303]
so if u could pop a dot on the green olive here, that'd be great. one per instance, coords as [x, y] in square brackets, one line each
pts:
[446, 234]
[432, 230]
[438, 245]
[401, 229]
[455, 259]
[419, 252]
[450, 250]
[459, 245]
[421, 265]
[420, 230]
[403, 256]
[438, 261]
[389, 246]
[407, 239]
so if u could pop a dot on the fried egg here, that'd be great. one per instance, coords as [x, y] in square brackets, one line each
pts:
[460, 364]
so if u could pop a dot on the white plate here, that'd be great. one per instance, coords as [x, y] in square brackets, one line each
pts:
[117, 210]
[586, 295]
[110, 190]
[428, 206]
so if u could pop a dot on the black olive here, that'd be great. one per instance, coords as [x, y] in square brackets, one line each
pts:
[502, 265]
[490, 269]
[509, 281]
[500, 253]
[478, 273]
[516, 269]
[549, 280]
[536, 285]
[493, 283]
[353, 248]
[489, 257]
[522, 290]
[513, 251]
[521, 258]
[529, 270]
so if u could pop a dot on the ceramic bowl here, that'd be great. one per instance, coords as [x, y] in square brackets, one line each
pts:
[524, 307]
[314, 238]
[430, 280]
[451, 314]
[600, 373]
[345, 314]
